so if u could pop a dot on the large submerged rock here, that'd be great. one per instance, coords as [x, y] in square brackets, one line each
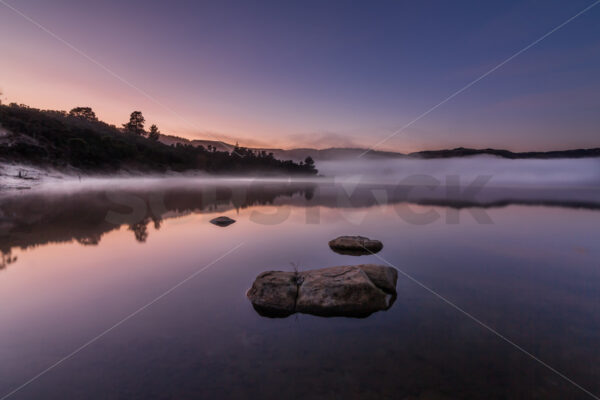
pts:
[355, 245]
[352, 291]
[383, 277]
[275, 293]
[339, 291]
[222, 221]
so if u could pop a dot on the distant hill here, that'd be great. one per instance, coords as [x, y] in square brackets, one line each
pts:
[299, 154]
[341, 153]
[464, 152]
[333, 153]
[220, 146]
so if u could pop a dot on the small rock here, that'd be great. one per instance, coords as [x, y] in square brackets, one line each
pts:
[222, 221]
[355, 245]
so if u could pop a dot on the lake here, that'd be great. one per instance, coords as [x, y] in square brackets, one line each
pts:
[124, 289]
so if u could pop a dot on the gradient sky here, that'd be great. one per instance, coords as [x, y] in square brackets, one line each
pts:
[318, 74]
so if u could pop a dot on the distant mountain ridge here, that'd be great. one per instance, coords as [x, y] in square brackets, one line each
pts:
[465, 152]
[340, 153]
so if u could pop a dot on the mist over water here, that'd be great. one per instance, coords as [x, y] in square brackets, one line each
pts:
[503, 172]
[554, 174]
[481, 181]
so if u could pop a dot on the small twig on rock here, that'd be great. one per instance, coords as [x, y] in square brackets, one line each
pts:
[297, 277]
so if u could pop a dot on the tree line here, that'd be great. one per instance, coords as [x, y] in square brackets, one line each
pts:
[78, 138]
[135, 124]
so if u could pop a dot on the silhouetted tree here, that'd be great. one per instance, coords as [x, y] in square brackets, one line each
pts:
[309, 162]
[135, 124]
[83, 113]
[154, 133]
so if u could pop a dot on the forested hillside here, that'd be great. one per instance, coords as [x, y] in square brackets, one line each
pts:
[79, 139]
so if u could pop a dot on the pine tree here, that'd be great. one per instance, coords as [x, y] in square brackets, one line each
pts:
[135, 124]
[154, 133]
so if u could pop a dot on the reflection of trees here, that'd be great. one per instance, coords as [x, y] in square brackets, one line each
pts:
[309, 193]
[6, 259]
[140, 230]
[89, 241]
[31, 219]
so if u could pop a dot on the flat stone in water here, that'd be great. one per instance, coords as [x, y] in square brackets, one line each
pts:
[222, 221]
[350, 291]
[355, 245]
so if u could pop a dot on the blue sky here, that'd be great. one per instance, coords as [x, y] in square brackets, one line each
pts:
[316, 73]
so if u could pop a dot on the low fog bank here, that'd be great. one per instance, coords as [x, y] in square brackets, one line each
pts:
[557, 174]
[20, 178]
[503, 172]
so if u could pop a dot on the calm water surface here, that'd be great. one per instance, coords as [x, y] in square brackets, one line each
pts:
[77, 262]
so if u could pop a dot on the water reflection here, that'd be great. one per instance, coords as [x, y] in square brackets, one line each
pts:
[6, 258]
[32, 219]
[85, 215]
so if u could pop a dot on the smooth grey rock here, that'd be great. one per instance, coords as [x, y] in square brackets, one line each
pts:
[353, 291]
[222, 221]
[355, 245]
